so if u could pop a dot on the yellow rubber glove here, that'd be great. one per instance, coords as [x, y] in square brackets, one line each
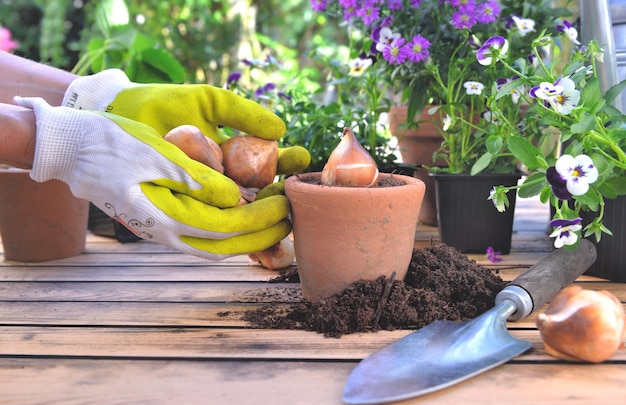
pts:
[166, 106]
[149, 185]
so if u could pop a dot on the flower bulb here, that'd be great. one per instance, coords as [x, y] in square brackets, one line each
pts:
[582, 325]
[350, 164]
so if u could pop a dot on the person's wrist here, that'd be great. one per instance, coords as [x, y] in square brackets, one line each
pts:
[17, 136]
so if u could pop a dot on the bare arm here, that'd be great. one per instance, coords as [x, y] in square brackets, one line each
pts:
[17, 136]
[23, 77]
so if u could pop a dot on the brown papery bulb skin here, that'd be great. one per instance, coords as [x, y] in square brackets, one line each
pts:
[350, 164]
[583, 325]
[250, 161]
[198, 147]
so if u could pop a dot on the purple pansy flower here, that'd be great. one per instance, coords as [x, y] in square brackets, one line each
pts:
[494, 47]
[565, 232]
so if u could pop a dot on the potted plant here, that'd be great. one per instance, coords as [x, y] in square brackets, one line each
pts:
[351, 222]
[424, 51]
[585, 181]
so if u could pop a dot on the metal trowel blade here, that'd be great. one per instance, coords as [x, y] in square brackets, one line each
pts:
[434, 357]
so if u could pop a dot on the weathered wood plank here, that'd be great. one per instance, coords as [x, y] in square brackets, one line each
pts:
[113, 272]
[80, 381]
[213, 343]
[143, 314]
[150, 291]
[155, 314]
[126, 314]
[181, 291]
[53, 381]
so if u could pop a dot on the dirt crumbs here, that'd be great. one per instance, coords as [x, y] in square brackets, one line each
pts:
[441, 283]
[389, 181]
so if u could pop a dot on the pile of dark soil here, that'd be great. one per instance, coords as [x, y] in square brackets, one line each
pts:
[441, 283]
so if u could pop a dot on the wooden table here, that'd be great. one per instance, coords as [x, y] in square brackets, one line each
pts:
[141, 323]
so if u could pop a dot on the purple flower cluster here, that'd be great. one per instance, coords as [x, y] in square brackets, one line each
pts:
[395, 48]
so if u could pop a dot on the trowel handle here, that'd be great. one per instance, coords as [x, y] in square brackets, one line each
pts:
[537, 285]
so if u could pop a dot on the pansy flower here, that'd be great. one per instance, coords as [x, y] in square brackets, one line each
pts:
[569, 30]
[472, 87]
[566, 231]
[447, 122]
[263, 90]
[578, 173]
[524, 25]
[561, 95]
[493, 255]
[558, 184]
[359, 65]
[233, 78]
[474, 42]
[383, 37]
[497, 195]
[492, 49]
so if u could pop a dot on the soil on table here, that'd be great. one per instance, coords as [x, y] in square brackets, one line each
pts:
[389, 181]
[441, 283]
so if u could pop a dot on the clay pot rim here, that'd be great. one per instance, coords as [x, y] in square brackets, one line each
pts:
[295, 181]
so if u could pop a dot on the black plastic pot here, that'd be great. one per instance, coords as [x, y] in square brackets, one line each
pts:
[611, 261]
[467, 220]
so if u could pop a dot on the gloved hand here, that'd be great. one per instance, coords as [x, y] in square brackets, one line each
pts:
[166, 106]
[127, 170]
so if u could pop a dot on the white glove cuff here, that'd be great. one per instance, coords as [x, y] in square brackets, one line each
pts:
[97, 91]
[59, 134]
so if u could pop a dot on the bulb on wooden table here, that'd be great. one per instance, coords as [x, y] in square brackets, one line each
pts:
[583, 325]
[350, 164]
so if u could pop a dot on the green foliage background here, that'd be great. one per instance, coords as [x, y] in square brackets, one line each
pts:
[207, 37]
[203, 41]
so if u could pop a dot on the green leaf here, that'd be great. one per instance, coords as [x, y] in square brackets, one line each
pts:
[481, 163]
[121, 37]
[591, 199]
[614, 91]
[590, 94]
[533, 185]
[618, 184]
[160, 64]
[607, 190]
[587, 123]
[494, 144]
[545, 194]
[525, 152]
[508, 88]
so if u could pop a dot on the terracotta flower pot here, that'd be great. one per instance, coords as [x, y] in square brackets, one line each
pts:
[346, 234]
[417, 147]
[39, 221]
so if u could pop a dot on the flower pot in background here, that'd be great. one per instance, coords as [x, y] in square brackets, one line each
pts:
[468, 221]
[346, 234]
[39, 221]
[417, 147]
[611, 261]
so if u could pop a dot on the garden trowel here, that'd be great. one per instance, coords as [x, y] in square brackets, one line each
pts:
[444, 353]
